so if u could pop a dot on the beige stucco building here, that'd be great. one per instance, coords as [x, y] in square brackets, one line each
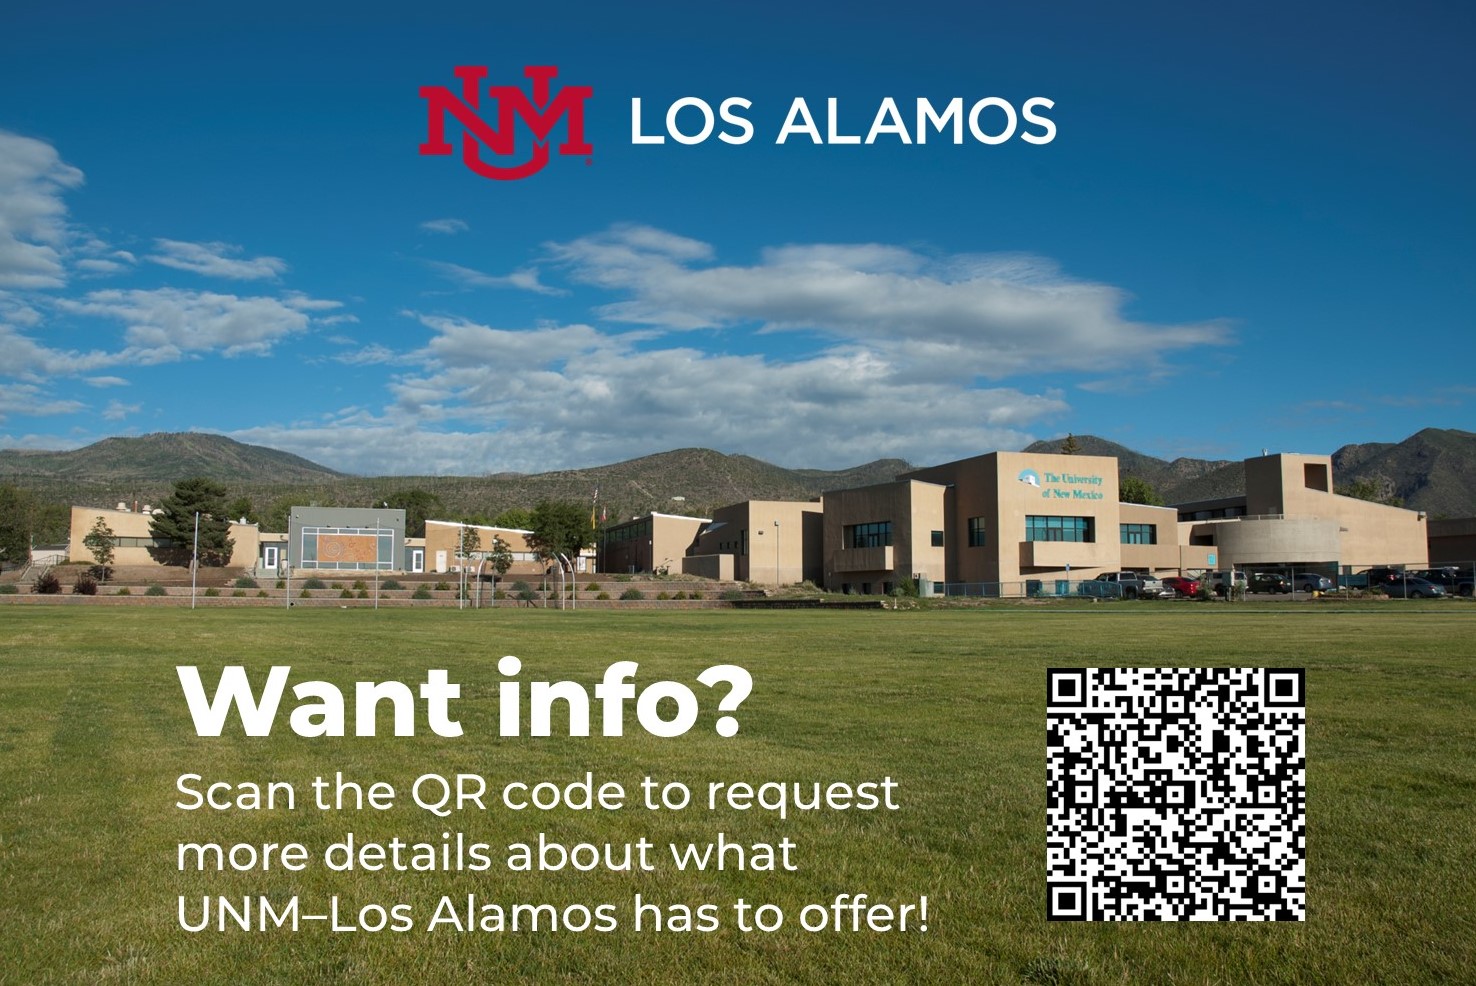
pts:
[442, 548]
[1289, 517]
[771, 542]
[132, 537]
[653, 543]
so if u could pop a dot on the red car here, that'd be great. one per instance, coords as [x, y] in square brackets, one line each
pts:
[1181, 585]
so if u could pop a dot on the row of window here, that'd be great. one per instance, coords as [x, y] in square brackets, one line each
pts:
[629, 532]
[1037, 528]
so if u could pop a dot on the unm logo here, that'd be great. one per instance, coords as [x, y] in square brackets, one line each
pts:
[541, 114]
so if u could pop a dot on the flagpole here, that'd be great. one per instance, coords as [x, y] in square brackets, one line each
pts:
[195, 560]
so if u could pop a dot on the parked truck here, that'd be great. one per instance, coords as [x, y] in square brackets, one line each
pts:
[1135, 585]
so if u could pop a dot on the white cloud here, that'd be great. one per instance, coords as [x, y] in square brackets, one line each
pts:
[30, 360]
[487, 399]
[165, 323]
[215, 260]
[106, 382]
[33, 232]
[32, 401]
[117, 410]
[525, 279]
[447, 226]
[954, 317]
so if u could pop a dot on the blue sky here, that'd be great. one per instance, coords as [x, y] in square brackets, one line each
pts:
[1252, 229]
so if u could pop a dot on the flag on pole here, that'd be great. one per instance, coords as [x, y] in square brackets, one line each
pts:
[593, 504]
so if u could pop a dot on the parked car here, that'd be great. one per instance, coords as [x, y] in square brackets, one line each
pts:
[1312, 582]
[1466, 587]
[1269, 582]
[1412, 588]
[1380, 576]
[1448, 579]
[1181, 585]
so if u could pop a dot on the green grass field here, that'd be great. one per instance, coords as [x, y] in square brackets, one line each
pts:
[94, 731]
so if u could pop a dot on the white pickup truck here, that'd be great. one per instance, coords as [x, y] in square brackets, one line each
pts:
[1135, 585]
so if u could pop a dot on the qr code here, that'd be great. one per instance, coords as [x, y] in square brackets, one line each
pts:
[1176, 794]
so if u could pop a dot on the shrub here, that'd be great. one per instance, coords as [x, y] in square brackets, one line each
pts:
[622, 578]
[520, 586]
[441, 586]
[347, 594]
[498, 594]
[281, 584]
[212, 591]
[593, 587]
[663, 594]
[632, 593]
[305, 594]
[391, 584]
[155, 590]
[245, 582]
[100, 573]
[603, 595]
[238, 593]
[314, 583]
[8, 589]
[421, 592]
[47, 585]
[85, 585]
[679, 594]
[528, 596]
[905, 588]
[731, 594]
[261, 594]
[361, 594]
[360, 584]
[337, 585]
[123, 592]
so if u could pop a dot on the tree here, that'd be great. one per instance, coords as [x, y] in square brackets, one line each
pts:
[241, 508]
[1367, 489]
[516, 518]
[1131, 489]
[101, 541]
[1070, 446]
[559, 527]
[471, 541]
[501, 556]
[174, 529]
[17, 517]
[418, 506]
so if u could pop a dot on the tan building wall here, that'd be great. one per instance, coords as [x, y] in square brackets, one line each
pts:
[131, 529]
[998, 493]
[913, 510]
[770, 542]
[647, 543]
[443, 548]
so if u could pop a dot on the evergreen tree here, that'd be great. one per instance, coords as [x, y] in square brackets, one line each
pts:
[418, 506]
[1070, 446]
[17, 518]
[174, 529]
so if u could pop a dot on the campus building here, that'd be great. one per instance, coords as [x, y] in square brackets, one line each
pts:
[1289, 517]
[441, 548]
[774, 542]
[133, 537]
[652, 543]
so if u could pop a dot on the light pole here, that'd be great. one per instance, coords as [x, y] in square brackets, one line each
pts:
[776, 554]
[195, 560]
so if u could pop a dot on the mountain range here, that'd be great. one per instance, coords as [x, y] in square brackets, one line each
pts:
[1433, 470]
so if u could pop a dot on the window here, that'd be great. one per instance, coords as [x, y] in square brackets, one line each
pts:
[1079, 529]
[1139, 533]
[877, 535]
[937, 539]
[976, 533]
